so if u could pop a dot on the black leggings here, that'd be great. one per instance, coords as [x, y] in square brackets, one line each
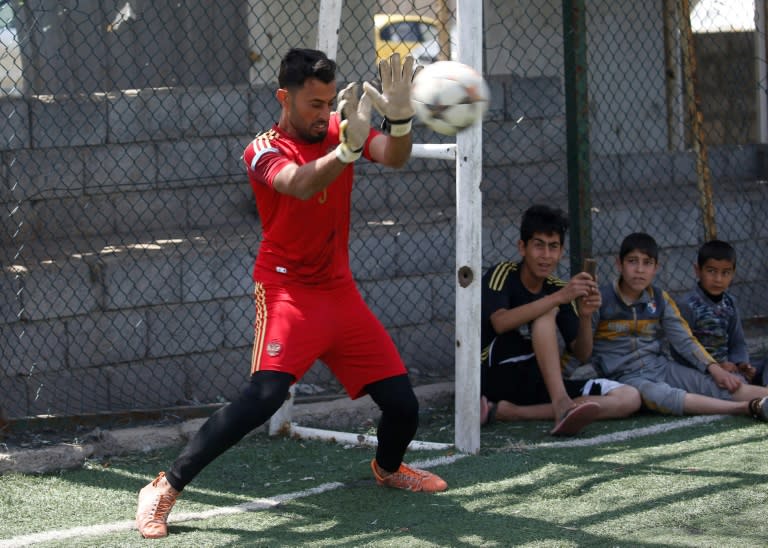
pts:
[399, 419]
[264, 395]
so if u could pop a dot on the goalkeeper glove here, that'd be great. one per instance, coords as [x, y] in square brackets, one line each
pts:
[394, 101]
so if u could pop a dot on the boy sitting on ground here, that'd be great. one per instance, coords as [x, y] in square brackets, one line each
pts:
[523, 306]
[633, 324]
[711, 311]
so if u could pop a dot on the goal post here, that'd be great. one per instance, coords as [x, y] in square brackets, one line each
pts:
[469, 164]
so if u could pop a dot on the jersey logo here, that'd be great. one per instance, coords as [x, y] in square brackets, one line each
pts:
[274, 348]
[324, 197]
[652, 307]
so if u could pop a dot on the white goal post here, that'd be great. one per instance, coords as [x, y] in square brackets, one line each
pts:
[467, 154]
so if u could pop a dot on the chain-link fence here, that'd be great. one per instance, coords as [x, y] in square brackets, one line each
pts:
[129, 230]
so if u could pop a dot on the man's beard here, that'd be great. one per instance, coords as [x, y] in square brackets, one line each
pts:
[313, 138]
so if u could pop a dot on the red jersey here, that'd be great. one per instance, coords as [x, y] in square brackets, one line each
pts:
[304, 241]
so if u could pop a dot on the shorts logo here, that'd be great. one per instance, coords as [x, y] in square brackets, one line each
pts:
[274, 348]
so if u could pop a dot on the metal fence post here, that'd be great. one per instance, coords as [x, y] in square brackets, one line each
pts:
[577, 130]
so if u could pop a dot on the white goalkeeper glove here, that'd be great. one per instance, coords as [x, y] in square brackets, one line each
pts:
[394, 101]
[355, 123]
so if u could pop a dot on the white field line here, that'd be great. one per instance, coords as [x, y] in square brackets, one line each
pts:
[629, 434]
[118, 526]
[271, 502]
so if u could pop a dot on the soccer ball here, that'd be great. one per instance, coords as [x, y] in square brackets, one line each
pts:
[449, 96]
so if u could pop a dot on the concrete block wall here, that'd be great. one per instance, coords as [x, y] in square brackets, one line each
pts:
[127, 248]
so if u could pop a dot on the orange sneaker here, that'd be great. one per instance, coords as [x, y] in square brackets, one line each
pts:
[410, 479]
[155, 503]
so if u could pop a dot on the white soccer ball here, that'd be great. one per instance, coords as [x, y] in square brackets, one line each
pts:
[449, 96]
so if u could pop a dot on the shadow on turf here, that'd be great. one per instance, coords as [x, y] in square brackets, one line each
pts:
[362, 513]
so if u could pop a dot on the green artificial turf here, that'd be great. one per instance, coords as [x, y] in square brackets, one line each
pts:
[701, 485]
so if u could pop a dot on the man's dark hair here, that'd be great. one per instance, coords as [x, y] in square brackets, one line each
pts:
[545, 220]
[642, 242]
[717, 250]
[300, 64]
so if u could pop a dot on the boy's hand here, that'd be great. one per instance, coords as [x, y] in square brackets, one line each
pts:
[723, 378]
[744, 369]
[581, 288]
[590, 304]
[747, 370]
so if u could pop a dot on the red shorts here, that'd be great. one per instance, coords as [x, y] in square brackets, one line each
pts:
[297, 325]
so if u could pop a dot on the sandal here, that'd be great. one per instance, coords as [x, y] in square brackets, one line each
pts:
[758, 408]
[576, 418]
[487, 408]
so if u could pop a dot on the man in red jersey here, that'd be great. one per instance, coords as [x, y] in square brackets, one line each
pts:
[308, 306]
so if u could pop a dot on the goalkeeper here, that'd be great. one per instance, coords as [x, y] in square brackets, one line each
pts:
[308, 306]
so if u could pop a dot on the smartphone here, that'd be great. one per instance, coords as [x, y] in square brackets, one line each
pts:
[590, 267]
